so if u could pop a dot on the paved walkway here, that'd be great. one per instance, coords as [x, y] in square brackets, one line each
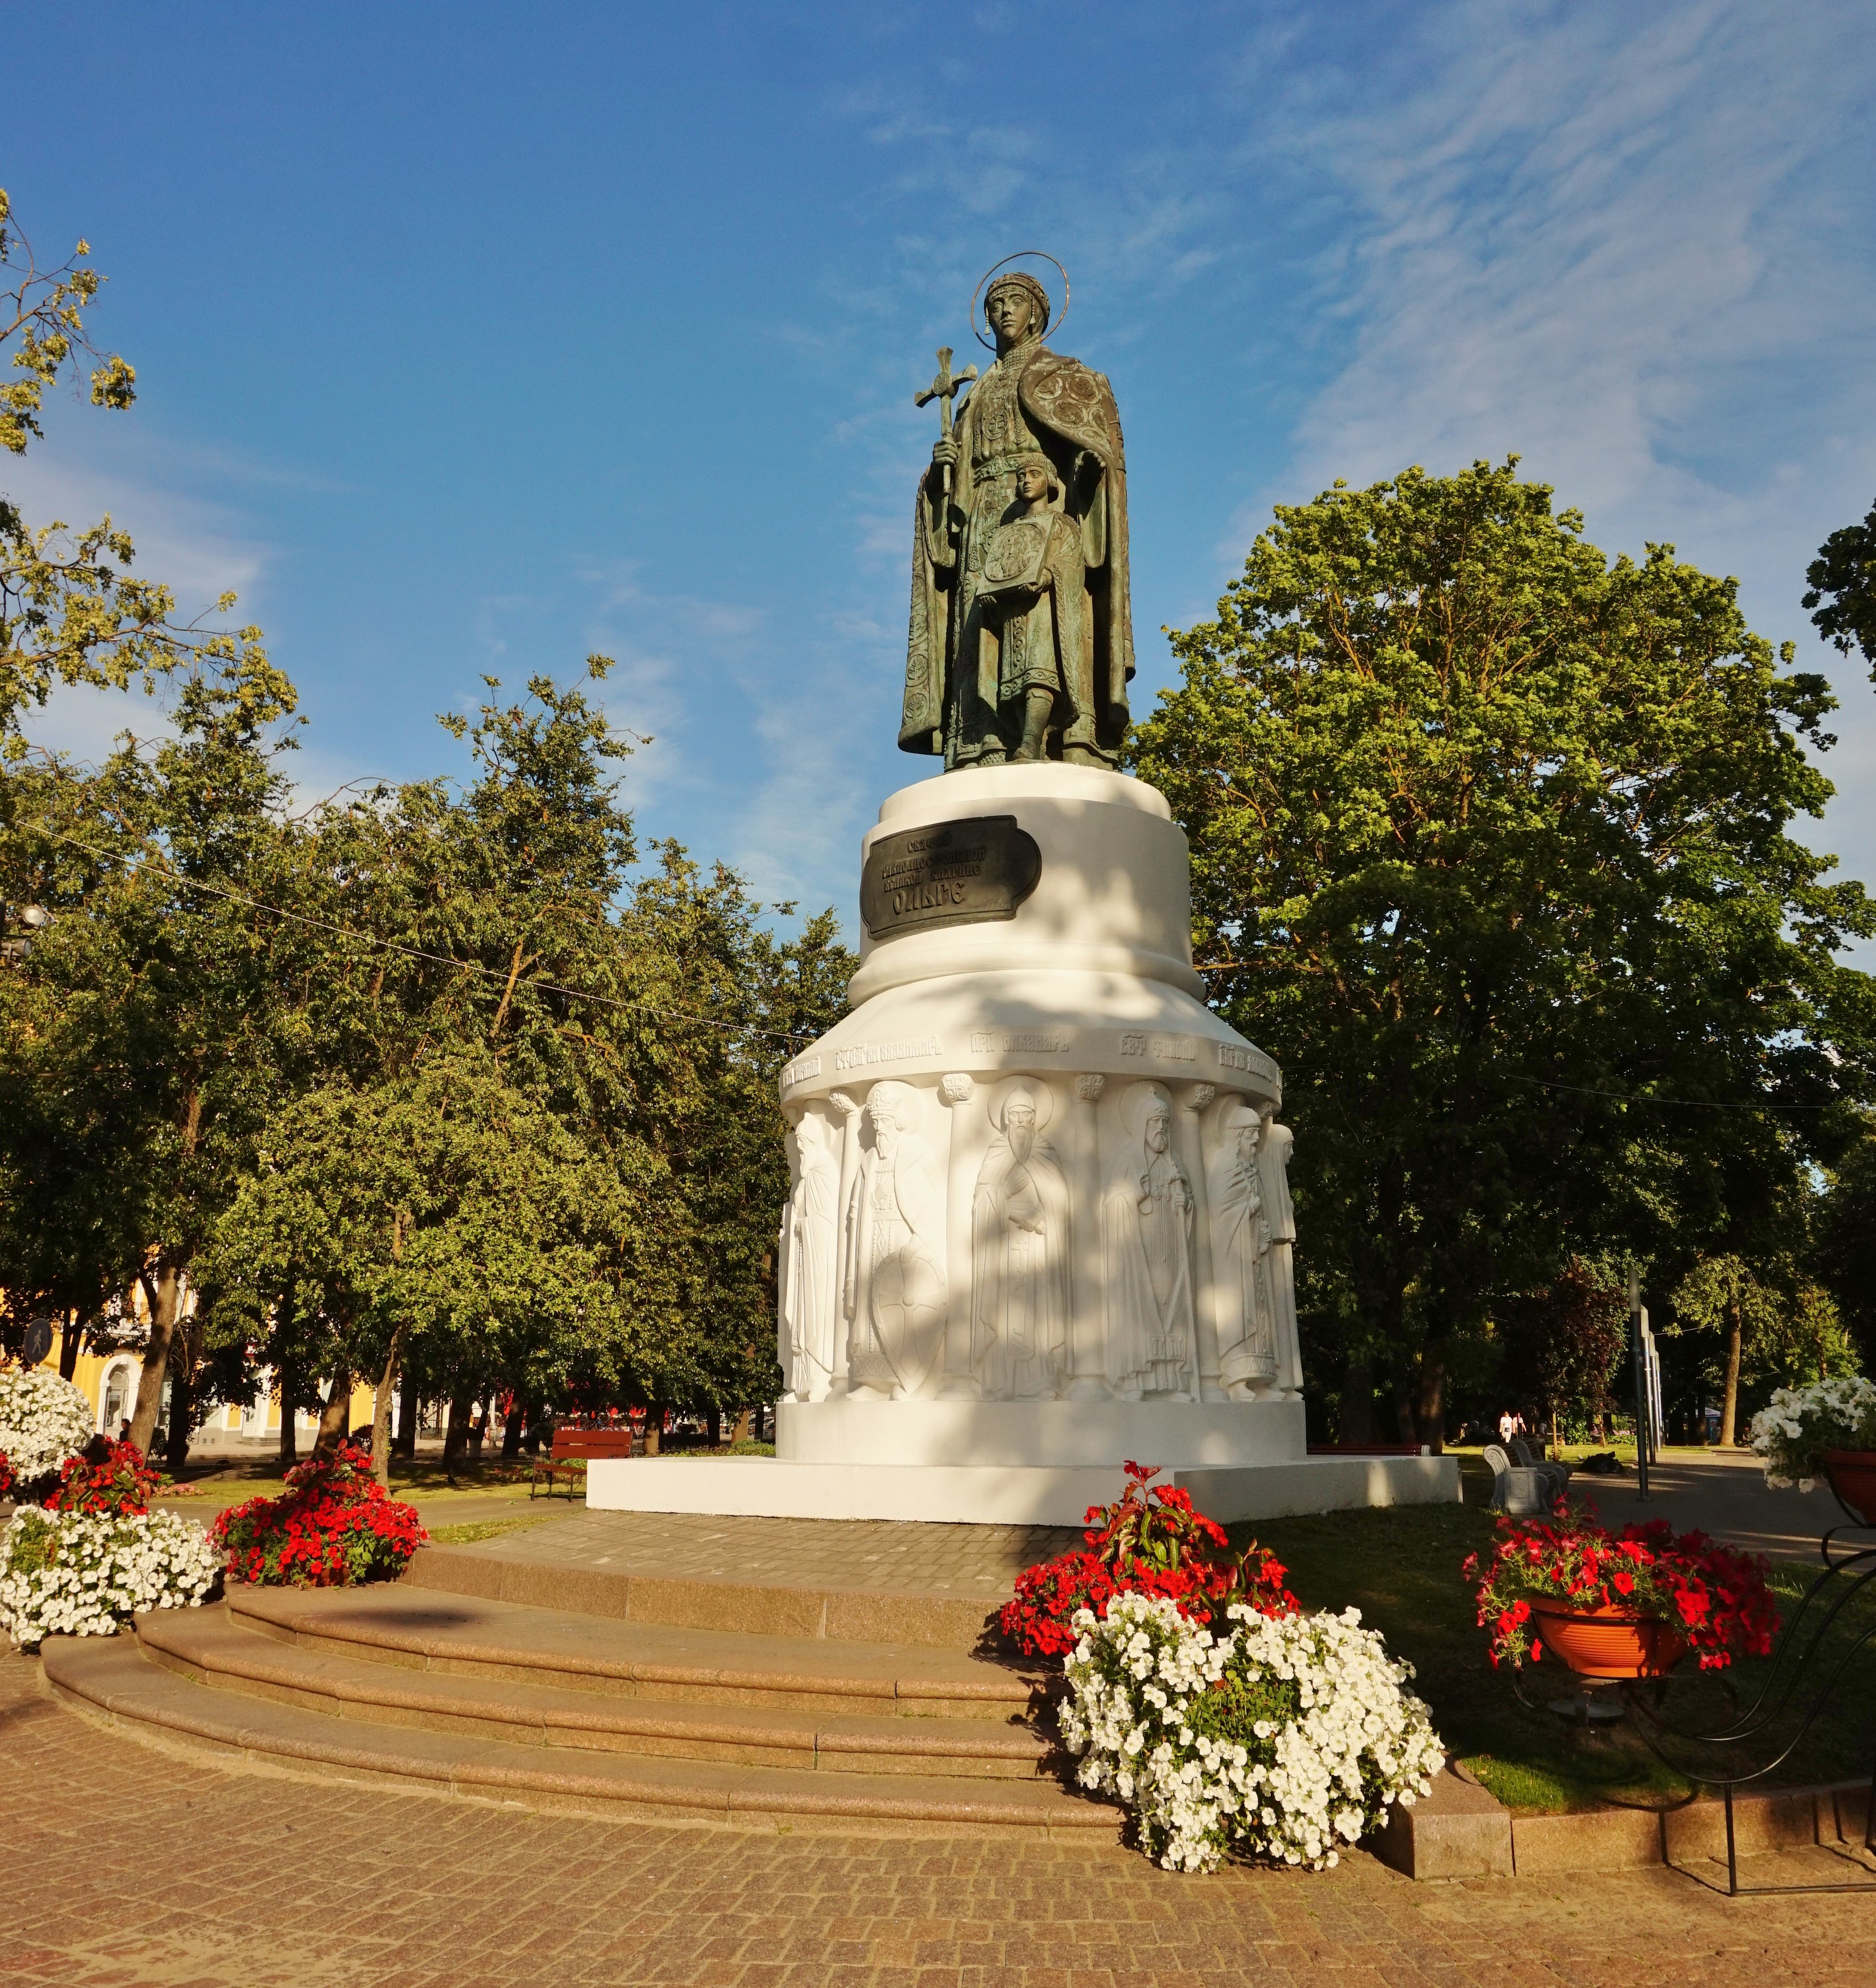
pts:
[1726, 1495]
[128, 1869]
[865, 1556]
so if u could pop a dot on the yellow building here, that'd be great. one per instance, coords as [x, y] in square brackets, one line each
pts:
[108, 1381]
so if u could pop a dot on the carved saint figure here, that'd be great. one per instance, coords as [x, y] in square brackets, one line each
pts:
[1147, 1231]
[1019, 1260]
[805, 1295]
[1241, 1255]
[894, 1274]
[1020, 544]
[1280, 1219]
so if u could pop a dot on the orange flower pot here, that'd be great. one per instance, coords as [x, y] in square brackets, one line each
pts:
[1606, 1642]
[1852, 1473]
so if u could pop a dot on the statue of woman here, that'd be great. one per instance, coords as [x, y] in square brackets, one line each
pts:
[1273, 1168]
[1034, 412]
[1019, 1248]
[1147, 1231]
[810, 1225]
[1240, 1241]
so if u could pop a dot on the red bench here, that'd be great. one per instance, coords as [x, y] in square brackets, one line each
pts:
[573, 1448]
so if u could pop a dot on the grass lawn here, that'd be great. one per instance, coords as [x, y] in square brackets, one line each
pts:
[1400, 1568]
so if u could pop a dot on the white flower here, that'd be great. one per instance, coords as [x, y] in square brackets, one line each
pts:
[79, 1573]
[44, 1421]
[1798, 1424]
[1358, 1741]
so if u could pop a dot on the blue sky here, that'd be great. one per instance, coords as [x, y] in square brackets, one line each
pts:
[473, 338]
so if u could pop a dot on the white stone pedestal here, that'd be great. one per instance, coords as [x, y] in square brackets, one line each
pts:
[1040, 1223]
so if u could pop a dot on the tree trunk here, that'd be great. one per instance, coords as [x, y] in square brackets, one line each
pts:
[71, 1337]
[163, 1294]
[335, 1419]
[409, 1409]
[654, 1428]
[1429, 1409]
[1729, 1408]
[714, 1420]
[181, 1412]
[455, 1437]
[381, 1411]
[1407, 1424]
[289, 1436]
[1355, 1425]
[740, 1432]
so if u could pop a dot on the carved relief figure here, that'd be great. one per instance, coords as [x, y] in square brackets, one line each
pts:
[809, 1236]
[1280, 1219]
[893, 1274]
[1146, 1232]
[1019, 1257]
[1241, 1256]
[1021, 640]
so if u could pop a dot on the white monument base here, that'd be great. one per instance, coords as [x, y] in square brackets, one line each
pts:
[984, 1494]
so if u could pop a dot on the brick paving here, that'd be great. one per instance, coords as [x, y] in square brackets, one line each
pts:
[868, 1555]
[125, 1867]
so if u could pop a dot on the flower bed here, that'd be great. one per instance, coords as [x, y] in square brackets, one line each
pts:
[79, 1573]
[1150, 1541]
[333, 1526]
[1282, 1736]
[108, 1477]
[1712, 1597]
[1796, 1429]
[44, 1421]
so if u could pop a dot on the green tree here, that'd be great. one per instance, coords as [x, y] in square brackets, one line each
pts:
[1564, 1343]
[69, 612]
[144, 1043]
[1490, 848]
[1840, 584]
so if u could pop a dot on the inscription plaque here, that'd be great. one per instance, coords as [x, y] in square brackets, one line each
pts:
[950, 873]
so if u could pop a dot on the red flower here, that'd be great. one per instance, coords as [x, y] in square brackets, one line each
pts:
[1714, 1598]
[1150, 1541]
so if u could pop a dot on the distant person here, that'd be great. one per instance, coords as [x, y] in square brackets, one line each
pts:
[478, 1428]
[1508, 1426]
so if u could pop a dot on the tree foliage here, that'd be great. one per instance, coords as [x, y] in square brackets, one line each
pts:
[1491, 849]
[1840, 585]
[69, 611]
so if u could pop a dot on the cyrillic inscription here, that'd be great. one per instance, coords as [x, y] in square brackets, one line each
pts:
[951, 873]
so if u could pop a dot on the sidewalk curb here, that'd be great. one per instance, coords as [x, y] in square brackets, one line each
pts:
[1461, 1830]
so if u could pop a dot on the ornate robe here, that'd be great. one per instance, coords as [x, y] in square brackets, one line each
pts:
[809, 1233]
[1019, 1273]
[1146, 1232]
[1240, 1263]
[894, 1265]
[1032, 400]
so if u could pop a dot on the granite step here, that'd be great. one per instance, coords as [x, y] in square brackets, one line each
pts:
[212, 1647]
[524, 1569]
[115, 1679]
[472, 1636]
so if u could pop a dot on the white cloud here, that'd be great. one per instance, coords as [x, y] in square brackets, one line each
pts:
[1628, 245]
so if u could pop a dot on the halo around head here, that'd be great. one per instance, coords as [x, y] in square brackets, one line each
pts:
[1043, 254]
[1041, 1100]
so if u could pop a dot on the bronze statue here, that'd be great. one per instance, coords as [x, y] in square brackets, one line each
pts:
[1021, 638]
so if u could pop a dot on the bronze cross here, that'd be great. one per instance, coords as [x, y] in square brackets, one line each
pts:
[945, 388]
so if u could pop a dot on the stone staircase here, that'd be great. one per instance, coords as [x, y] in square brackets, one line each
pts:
[474, 1695]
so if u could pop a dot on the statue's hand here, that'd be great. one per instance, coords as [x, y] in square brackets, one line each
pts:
[944, 451]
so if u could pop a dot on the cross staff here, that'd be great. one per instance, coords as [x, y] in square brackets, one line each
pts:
[945, 388]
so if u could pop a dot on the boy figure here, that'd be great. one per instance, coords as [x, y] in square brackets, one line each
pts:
[1026, 629]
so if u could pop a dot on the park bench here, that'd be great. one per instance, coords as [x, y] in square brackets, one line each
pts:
[1517, 1488]
[1530, 1455]
[572, 1449]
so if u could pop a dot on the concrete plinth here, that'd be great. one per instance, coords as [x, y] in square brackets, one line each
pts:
[1006, 1494]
